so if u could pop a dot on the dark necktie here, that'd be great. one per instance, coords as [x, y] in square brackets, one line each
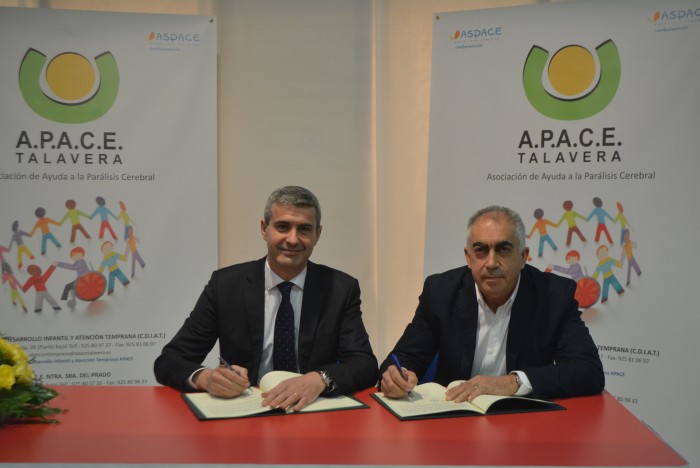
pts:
[284, 348]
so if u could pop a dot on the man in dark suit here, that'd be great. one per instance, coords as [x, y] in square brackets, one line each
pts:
[241, 303]
[504, 327]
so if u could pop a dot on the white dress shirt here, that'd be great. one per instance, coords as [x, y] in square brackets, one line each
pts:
[273, 297]
[492, 336]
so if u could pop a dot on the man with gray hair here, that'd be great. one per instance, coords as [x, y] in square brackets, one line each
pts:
[282, 312]
[502, 326]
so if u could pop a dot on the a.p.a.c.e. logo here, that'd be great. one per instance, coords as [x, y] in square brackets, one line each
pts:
[573, 83]
[69, 88]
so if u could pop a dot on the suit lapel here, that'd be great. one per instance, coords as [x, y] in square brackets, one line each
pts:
[255, 308]
[467, 323]
[311, 308]
[520, 318]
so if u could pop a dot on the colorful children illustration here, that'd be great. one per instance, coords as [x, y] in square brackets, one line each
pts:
[124, 216]
[74, 215]
[570, 217]
[587, 288]
[79, 266]
[131, 248]
[88, 284]
[22, 249]
[43, 224]
[3, 250]
[104, 213]
[604, 268]
[574, 270]
[628, 247]
[624, 224]
[109, 261]
[38, 281]
[600, 214]
[9, 279]
[541, 226]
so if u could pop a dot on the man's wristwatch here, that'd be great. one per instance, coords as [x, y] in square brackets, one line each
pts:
[327, 379]
[518, 382]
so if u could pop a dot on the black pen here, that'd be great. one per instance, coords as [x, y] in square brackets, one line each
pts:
[227, 365]
[403, 374]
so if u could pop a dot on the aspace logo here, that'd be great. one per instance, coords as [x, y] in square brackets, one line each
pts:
[173, 37]
[475, 37]
[676, 15]
[480, 33]
[69, 88]
[573, 83]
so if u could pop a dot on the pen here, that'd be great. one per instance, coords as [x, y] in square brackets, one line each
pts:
[227, 365]
[403, 374]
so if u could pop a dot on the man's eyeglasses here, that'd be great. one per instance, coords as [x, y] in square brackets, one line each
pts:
[502, 249]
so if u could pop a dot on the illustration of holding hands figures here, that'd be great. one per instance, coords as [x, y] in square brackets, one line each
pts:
[87, 285]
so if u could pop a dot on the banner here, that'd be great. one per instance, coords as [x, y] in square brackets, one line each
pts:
[107, 186]
[583, 118]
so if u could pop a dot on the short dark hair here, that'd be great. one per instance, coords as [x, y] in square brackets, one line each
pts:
[295, 196]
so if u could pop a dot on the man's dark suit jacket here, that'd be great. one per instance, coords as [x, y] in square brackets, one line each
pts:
[546, 337]
[231, 309]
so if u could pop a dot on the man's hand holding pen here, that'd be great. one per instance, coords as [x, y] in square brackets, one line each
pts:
[398, 382]
[224, 381]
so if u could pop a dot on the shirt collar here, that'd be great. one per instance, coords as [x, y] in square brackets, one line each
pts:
[272, 279]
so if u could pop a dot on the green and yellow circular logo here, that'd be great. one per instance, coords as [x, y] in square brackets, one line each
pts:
[69, 88]
[573, 83]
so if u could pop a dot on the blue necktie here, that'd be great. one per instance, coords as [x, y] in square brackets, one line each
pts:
[284, 346]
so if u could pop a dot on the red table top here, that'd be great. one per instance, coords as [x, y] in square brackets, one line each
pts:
[154, 425]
